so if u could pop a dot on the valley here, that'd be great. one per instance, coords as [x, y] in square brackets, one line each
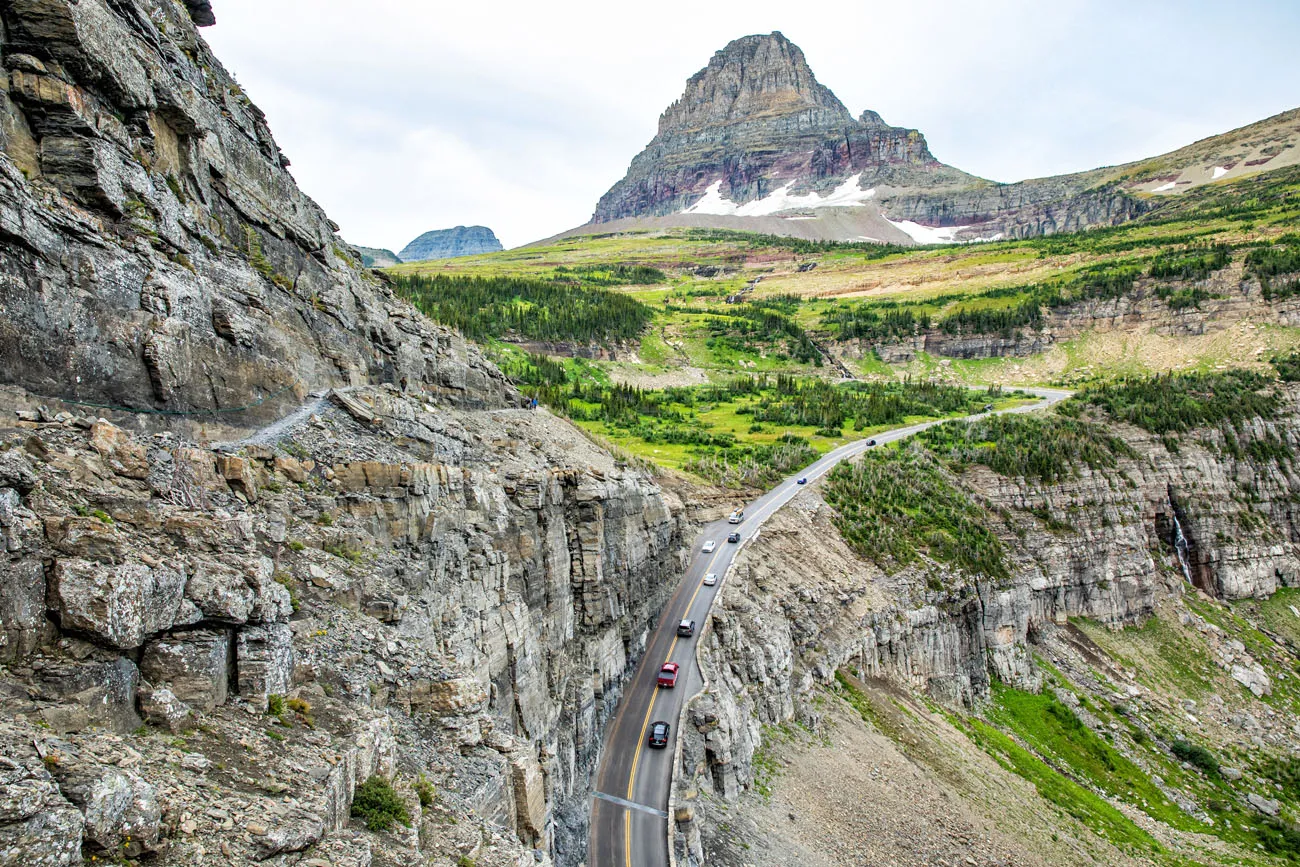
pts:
[308, 562]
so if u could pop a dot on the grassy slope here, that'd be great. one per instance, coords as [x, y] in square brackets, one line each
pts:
[704, 268]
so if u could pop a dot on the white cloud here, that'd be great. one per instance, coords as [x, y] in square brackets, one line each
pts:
[403, 115]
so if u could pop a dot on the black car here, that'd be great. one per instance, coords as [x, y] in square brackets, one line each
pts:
[870, 443]
[802, 481]
[659, 734]
[733, 538]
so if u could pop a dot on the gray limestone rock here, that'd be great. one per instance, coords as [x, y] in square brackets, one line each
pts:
[265, 662]
[120, 605]
[95, 688]
[122, 811]
[38, 826]
[22, 608]
[160, 707]
[195, 666]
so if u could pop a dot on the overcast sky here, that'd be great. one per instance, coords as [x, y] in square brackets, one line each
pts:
[406, 115]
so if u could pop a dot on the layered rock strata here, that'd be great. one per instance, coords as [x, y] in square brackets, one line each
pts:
[476, 584]
[158, 254]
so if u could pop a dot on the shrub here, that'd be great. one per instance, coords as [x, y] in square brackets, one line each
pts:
[424, 789]
[378, 805]
[275, 705]
[1195, 755]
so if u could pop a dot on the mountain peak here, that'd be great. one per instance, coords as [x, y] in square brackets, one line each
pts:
[755, 121]
[754, 77]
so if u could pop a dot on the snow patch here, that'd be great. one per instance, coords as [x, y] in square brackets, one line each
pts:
[1219, 171]
[1164, 188]
[847, 195]
[929, 234]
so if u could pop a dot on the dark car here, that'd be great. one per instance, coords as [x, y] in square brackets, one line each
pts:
[659, 734]
[734, 538]
[686, 628]
[870, 443]
[803, 480]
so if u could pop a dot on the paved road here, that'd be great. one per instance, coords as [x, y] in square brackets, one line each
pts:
[629, 819]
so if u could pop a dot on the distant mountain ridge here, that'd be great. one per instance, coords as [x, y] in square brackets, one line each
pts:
[377, 257]
[756, 143]
[450, 243]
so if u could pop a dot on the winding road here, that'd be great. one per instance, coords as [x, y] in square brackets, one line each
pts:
[629, 819]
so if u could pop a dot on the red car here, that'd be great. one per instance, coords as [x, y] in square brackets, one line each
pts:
[668, 675]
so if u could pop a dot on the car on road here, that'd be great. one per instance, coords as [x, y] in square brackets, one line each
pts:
[988, 407]
[733, 538]
[686, 628]
[710, 579]
[709, 547]
[668, 675]
[736, 517]
[659, 734]
[870, 443]
[803, 480]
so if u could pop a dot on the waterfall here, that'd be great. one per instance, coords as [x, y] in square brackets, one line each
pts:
[1180, 546]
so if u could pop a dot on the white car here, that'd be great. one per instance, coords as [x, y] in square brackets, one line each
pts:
[710, 579]
[709, 547]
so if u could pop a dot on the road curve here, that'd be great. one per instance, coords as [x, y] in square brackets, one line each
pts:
[629, 808]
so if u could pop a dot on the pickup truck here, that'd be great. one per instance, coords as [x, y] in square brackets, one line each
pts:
[668, 675]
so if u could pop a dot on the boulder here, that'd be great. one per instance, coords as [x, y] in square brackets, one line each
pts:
[22, 608]
[97, 689]
[220, 593]
[1253, 678]
[16, 471]
[195, 666]
[265, 662]
[459, 695]
[125, 456]
[38, 826]
[119, 605]
[160, 707]
[1267, 806]
[122, 812]
[293, 833]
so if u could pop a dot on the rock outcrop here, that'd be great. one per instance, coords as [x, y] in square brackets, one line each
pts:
[159, 255]
[450, 243]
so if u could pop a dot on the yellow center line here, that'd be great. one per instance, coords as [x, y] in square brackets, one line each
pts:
[649, 712]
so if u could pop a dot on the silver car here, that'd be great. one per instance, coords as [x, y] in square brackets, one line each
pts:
[710, 579]
[709, 547]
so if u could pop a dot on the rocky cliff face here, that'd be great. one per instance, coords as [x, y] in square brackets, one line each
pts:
[158, 253]
[799, 604]
[205, 651]
[458, 593]
[450, 243]
[1228, 297]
